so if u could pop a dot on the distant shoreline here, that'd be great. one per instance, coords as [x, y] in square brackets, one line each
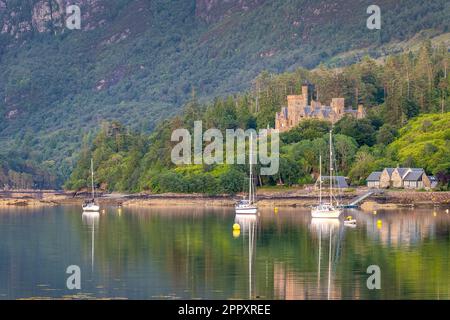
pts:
[266, 198]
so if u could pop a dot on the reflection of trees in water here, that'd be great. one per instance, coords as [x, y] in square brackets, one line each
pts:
[195, 249]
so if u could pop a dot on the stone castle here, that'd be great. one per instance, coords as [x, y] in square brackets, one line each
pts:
[305, 106]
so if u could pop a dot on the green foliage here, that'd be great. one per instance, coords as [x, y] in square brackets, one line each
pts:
[360, 129]
[193, 179]
[424, 142]
[167, 51]
[386, 134]
[117, 155]
[306, 130]
[131, 162]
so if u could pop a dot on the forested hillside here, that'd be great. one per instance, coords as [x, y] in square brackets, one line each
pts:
[407, 123]
[139, 61]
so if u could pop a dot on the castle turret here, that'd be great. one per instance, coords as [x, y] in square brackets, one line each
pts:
[337, 104]
[305, 94]
[361, 112]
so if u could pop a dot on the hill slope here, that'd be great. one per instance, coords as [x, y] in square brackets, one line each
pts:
[138, 61]
[425, 142]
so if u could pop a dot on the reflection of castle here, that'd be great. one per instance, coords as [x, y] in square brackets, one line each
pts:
[305, 106]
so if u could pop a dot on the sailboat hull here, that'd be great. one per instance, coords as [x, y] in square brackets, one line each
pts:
[326, 213]
[246, 210]
[91, 208]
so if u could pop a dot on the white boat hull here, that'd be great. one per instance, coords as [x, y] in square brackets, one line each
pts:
[326, 213]
[247, 210]
[91, 208]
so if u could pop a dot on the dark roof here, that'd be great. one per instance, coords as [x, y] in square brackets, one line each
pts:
[339, 180]
[310, 111]
[414, 176]
[307, 109]
[326, 113]
[402, 171]
[374, 176]
[389, 171]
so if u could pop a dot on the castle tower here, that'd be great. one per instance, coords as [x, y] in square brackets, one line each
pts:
[361, 112]
[337, 104]
[308, 93]
[305, 94]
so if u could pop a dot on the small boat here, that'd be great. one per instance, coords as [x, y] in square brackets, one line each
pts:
[248, 206]
[245, 207]
[349, 221]
[91, 205]
[326, 210]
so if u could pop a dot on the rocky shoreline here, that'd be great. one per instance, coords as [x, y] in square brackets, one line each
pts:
[278, 198]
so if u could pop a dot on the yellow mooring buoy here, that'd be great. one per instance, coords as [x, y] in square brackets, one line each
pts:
[236, 233]
[236, 226]
[275, 210]
[379, 224]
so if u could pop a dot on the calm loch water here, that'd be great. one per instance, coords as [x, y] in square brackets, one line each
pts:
[190, 253]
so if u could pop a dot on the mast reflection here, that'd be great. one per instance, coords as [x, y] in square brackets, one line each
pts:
[327, 229]
[248, 224]
[91, 220]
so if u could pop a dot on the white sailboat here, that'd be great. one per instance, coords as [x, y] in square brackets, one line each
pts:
[323, 209]
[248, 206]
[91, 205]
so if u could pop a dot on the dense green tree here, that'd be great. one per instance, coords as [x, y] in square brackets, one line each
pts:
[386, 134]
[361, 130]
[306, 130]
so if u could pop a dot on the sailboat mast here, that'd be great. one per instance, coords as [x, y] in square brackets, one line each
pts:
[250, 184]
[331, 168]
[92, 178]
[320, 178]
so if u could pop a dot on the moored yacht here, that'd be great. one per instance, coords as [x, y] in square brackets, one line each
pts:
[91, 205]
[248, 206]
[323, 209]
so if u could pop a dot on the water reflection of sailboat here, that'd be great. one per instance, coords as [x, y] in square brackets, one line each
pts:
[91, 219]
[331, 229]
[247, 225]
